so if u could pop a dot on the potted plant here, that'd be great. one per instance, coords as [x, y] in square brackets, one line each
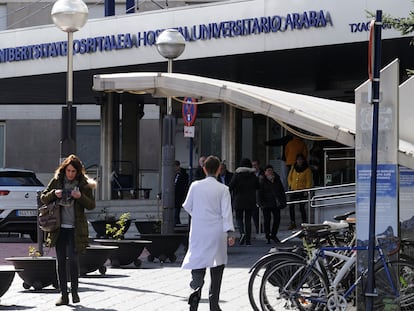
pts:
[128, 250]
[35, 270]
[151, 225]
[100, 225]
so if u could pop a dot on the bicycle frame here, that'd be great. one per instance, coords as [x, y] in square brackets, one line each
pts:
[349, 263]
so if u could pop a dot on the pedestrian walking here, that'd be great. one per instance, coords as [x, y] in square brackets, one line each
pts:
[180, 190]
[300, 177]
[271, 199]
[72, 189]
[243, 187]
[209, 205]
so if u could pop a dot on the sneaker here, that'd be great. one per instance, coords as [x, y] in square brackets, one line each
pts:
[292, 226]
[242, 239]
[62, 301]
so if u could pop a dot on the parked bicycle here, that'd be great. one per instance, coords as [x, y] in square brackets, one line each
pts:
[336, 233]
[301, 285]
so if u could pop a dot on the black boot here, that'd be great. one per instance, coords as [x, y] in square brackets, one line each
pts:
[194, 299]
[63, 300]
[75, 297]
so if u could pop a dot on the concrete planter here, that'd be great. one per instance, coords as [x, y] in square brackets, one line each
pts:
[36, 272]
[6, 278]
[94, 258]
[127, 251]
[148, 227]
[163, 246]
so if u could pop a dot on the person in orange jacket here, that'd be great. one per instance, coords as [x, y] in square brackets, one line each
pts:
[294, 147]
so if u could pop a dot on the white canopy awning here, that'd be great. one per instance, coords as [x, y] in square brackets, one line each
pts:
[332, 119]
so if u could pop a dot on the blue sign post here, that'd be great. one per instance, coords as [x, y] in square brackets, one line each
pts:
[189, 112]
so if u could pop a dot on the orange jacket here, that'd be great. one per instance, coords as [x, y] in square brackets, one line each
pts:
[294, 147]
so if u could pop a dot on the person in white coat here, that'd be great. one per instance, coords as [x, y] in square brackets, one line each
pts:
[209, 205]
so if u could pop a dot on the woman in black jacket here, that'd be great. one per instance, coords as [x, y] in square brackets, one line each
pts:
[272, 199]
[243, 187]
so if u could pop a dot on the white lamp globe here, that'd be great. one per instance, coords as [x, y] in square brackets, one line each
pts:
[170, 43]
[69, 15]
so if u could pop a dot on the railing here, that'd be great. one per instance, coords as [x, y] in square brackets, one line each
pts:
[325, 197]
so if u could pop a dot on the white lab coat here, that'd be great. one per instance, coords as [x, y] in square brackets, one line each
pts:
[209, 204]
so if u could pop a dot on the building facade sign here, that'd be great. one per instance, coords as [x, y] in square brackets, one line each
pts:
[220, 29]
[217, 30]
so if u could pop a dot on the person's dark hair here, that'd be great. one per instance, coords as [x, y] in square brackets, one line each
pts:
[300, 156]
[75, 162]
[268, 166]
[177, 163]
[212, 164]
[245, 163]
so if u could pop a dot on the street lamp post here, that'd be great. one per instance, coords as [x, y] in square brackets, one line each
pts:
[170, 44]
[69, 16]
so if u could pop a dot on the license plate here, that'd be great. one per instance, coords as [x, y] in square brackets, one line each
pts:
[26, 213]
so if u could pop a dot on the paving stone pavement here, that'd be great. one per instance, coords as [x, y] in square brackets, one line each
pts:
[153, 286]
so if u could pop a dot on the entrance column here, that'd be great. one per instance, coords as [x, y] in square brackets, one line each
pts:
[228, 140]
[106, 146]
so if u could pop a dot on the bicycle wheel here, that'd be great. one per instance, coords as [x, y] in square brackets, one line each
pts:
[291, 285]
[260, 267]
[402, 276]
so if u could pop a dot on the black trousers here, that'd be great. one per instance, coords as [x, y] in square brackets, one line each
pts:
[177, 211]
[244, 222]
[267, 215]
[216, 275]
[67, 256]
[297, 197]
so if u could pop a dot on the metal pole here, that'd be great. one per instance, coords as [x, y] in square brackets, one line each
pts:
[371, 291]
[190, 166]
[169, 103]
[69, 80]
[68, 143]
[168, 154]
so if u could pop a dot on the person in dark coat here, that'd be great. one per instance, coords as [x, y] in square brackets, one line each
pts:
[271, 199]
[243, 187]
[256, 214]
[224, 175]
[180, 190]
[73, 191]
[199, 172]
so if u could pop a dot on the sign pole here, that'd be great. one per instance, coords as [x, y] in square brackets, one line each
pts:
[189, 113]
[370, 291]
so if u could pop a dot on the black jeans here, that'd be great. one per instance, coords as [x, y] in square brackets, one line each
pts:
[244, 222]
[267, 215]
[177, 211]
[216, 275]
[297, 197]
[65, 251]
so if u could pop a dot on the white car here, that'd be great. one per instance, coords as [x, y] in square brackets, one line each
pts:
[18, 201]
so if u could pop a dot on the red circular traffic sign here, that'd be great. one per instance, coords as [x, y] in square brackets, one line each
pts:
[189, 111]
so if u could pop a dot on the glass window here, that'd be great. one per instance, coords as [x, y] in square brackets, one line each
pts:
[88, 139]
